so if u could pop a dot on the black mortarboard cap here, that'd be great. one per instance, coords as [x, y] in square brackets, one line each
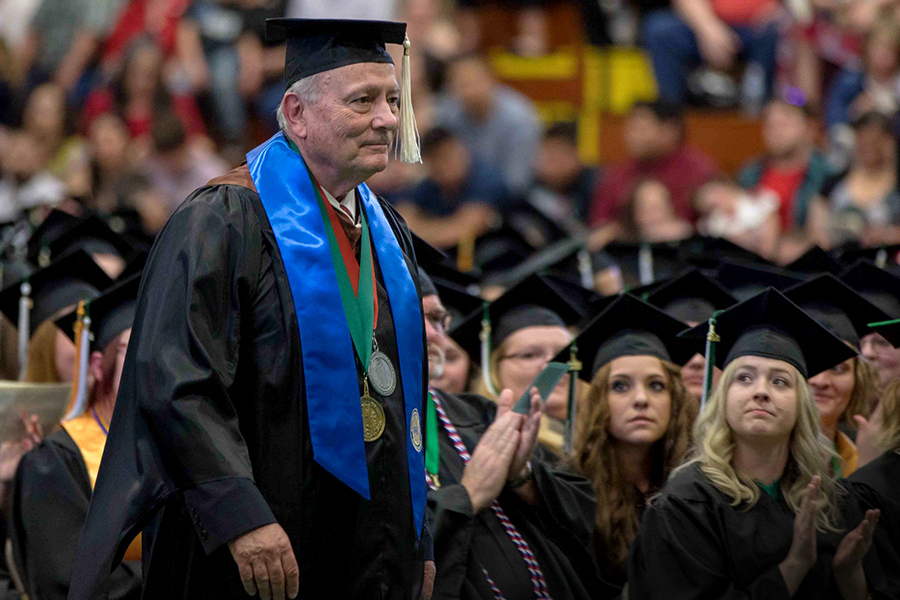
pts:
[317, 45]
[93, 236]
[815, 261]
[744, 280]
[568, 257]
[15, 270]
[439, 267]
[458, 302]
[496, 252]
[575, 294]
[832, 303]
[771, 326]
[875, 285]
[691, 297]
[653, 261]
[111, 314]
[707, 252]
[55, 224]
[630, 327]
[880, 255]
[532, 302]
[61, 284]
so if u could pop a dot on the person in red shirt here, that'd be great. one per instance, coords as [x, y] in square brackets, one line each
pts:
[792, 168]
[654, 137]
[138, 93]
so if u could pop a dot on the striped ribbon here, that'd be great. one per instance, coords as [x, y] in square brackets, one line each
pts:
[538, 583]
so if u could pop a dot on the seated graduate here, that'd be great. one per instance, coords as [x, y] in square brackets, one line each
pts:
[848, 388]
[515, 339]
[692, 298]
[53, 483]
[459, 373]
[633, 427]
[881, 288]
[758, 513]
[876, 478]
[506, 523]
[46, 354]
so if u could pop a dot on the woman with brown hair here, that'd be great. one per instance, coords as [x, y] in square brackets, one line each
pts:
[850, 387]
[635, 426]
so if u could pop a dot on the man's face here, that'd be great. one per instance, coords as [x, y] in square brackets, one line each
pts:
[448, 165]
[435, 317]
[472, 82]
[350, 127]
[785, 129]
[646, 137]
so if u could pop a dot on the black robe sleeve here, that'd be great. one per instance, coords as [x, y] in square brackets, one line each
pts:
[51, 492]
[184, 351]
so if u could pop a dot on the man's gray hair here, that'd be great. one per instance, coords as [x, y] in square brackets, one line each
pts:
[309, 92]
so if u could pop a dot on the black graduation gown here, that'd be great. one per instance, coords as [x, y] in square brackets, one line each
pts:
[879, 483]
[50, 497]
[210, 438]
[693, 544]
[558, 531]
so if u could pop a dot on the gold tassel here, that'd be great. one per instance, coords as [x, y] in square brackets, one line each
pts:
[408, 138]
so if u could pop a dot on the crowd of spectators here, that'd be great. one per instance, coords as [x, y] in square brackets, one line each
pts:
[122, 107]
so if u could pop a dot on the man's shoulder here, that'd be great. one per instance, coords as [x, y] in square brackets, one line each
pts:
[239, 176]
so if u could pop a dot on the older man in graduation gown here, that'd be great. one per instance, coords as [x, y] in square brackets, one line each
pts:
[507, 524]
[267, 438]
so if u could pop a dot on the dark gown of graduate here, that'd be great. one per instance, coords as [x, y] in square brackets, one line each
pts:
[210, 437]
[693, 544]
[50, 499]
[558, 531]
[879, 483]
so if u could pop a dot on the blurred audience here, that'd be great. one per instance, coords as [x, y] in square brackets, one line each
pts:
[649, 215]
[791, 167]
[174, 167]
[48, 121]
[748, 219]
[864, 203]
[717, 33]
[563, 183]
[654, 139]
[460, 197]
[497, 124]
[24, 181]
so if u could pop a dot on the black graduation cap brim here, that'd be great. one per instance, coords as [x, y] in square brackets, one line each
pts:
[55, 224]
[92, 235]
[852, 252]
[496, 252]
[744, 280]
[889, 330]
[564, 253]
[61, 284]
[816, 260]
[457, 300]
[536, 225]
[691, 297]
[878, 286]
[111, 313]
[576, 294]
[837, 306]
[771, 326]
[663, 261]
[318, 45]
[630, 327]
[707, 252]
[513, 311]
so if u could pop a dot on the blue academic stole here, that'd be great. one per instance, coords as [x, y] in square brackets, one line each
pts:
[329, 364]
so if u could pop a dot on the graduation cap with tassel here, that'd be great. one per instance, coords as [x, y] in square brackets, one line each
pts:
[93, 326]
[318, 45]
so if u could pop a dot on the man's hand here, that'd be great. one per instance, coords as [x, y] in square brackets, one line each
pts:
[266, 563]
[488, 468]
[428, 581]
[718, 45]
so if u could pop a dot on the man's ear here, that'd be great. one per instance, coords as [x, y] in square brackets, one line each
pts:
[95, 366]
[295, 114]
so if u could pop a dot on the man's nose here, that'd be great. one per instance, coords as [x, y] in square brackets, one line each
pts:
[384, 116]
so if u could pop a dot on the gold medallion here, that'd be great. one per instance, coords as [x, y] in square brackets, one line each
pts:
[373, 418]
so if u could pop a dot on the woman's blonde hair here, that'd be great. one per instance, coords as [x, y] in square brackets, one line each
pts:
[810, 454]
[864, 394]
[889, 436]
[596, 458]
[42, 355]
